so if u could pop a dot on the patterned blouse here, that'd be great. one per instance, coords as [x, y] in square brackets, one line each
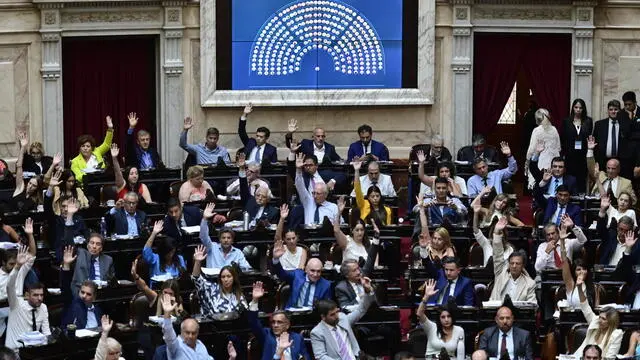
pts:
[213, 300]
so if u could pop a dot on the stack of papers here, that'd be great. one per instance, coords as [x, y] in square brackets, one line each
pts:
[210, 271]
[191, 229]
[162, 278]
[300, 309]
[8, 245]
[160, 319]
[80, 333]
[33, 338]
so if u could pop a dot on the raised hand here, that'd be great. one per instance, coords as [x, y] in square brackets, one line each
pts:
[500, 225]
[242, 160]
[247, 109]
[292, 126]
[231, 350]
[630, 239]
[596, 172]
[23, 139]
[376, 230]
[283, 342]
[284, 211]
[109, 122]
[57, 159]
[133, 120]
[119, 204]
[294, 146]
[200, 254]
[187, 124]
[68, 258]
[208, 211]
[134, 269]
[504, 147]
[420, 199]
[605, 202]
[366, 284]
[107, 324]
[580, 280]
[168, 304]
[278, 249]
[114, 150]
[55, 179]
[23, 255]
[357, 164]
[72, 207]
[421, 156]
[342, 203]
[299, 160]
[258, 291]
[591, 142]
[539, 146]
[546, 175]
[28, 226]
[157, 227]
[567, 221]
[429, 289]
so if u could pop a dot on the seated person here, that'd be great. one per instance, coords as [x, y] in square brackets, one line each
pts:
[91, 157]
[478, 150]
[187, 346]
[456, 186]
[296, 256]
[179, 216]
[131, 184]
[631, 277]
[66, 186]
[306, 286]
[209, 152]
[28, 194]
[505, 340]
[257, 206]
[449, 284]
[91, 263]
[549, 179]
[549, 252]
[67, 225]
[195, 188]
[445, 335]
[277, 342]
[316, 206]
[611, 181]
[79, 307]
[356, 246]
[7, 233]
[485, 244]
[570, 273]
[127, 219]
[373, 206]
[555, 207]
[350, 291]
[140, 154]
[165, 261]
[256, 149]
[317, 146]
[35, 161]
[108, 348]
[312, 175]
[434, 153]
[169, 287]
[28, 313]
[375, 178]
[612, 245]
[623, 208]
[253, 179]
[484, 177]
[499, 207]
[603, 328]
[510, 278]
[444, 208]
[367, 148]
[433, 250]
[222, 296]
[633, 349]
[223, 253]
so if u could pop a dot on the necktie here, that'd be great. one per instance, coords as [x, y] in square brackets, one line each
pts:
[306, 293]
[96, 276]
[614, 140]
[33, 320]
[557, 259]
[609, 189]
[316, 215]
[560, 212]
[484, 181]
[445, 294]
[342, 345]
[313, 184]
[258, 158]
[555, 187]
[504, 352]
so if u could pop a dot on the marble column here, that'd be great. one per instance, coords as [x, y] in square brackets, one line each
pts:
[51, 72]
[462, 101]
[582, 81]
[172, 87]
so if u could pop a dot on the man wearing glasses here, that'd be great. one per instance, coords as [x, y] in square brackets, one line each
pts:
[127, 219]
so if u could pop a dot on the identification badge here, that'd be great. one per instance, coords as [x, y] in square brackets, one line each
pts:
[578, 145]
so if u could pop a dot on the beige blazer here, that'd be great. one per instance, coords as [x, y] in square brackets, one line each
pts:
[526, 287]
[611, 344]
[624, 184]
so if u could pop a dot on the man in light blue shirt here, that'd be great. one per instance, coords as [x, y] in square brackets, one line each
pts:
[209, 152]
[223, 253]
[186, 346]
[316, 207]
[484, 177]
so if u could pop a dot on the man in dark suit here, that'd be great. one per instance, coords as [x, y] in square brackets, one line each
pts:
[449, 283]
[613, 138]
[435, 152]
[350, 290]
[478, 149]
[632, 112]
[140, 153]
[613, 239]
[313, 175]
[367, 147]
[550, 179]
[127, 219]
[306, 286]
[504, 338]
[257, 205]
[631, 277]
[68, 225]
[257, 149]
[277, 339]
[325, 152]
[92, 264]
[178, 217]
[558, 205]
[79, 307]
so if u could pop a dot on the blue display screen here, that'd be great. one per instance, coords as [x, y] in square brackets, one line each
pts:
[316, 44]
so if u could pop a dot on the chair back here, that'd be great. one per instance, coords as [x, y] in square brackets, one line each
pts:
[476, 255]
[108, 192]
[417, 343]
[476, 340]
[254, 349]
[576, 336]
[282, 296]
[235, 213]
[174, 188]
[139, 309]
[335, 254]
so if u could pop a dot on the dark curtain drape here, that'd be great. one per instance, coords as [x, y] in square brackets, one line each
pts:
[498, 58]
[107, 77]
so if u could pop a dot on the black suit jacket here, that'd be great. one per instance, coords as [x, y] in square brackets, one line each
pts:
[330, 154]
[121, 226]
[344, 292]
[445, 155]
[134, 152]
[467, 153]
[521, 342]
[75, 310]
[270, 154]
[270, 213]
[29, 164]
[630, 277]
[635, 123]
[601, 133]
[192, 216]
[569, 136]
[609, 242]
[62, 234]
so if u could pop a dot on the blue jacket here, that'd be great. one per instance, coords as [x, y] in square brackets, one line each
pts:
[436, 217]
[192, 216]
[75, 310]
[270, 152]
[330, 154]
[463, 291]
[121, 226]
[376, 148]
[609, 241]
[268, 340]
[550, 205]
[568, 180]
[270, 212]
[296, 279]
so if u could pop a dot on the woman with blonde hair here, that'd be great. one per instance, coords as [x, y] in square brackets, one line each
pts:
[433, 248]
[195, 188]
[544, 144]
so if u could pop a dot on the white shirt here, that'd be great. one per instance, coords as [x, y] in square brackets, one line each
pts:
[319, 152]
[609, 140]
[614, 184]
[315, 179]
[636, 301]
[554, 217]
[91, 318]
[353, 250]
[357, 289]
[254, 152]
[509, 343]
[454, 347]
[613, 213]
[424, 189]
[511, 287]
[384, 183]
[234, 188]
[92, 163]
[617, 255]
[546, 260]
[327, 209]
[291, 261]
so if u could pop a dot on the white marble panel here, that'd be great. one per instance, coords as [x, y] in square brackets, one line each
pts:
[617, 72]
[14, 96]
[424, 94]
[629, 76]
[7, 102]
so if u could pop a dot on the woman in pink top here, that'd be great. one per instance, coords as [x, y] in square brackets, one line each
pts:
[195, 188]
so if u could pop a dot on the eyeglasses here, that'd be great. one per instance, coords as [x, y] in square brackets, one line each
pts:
[131, 203]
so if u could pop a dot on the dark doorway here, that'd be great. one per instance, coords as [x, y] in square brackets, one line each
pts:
[107, 76]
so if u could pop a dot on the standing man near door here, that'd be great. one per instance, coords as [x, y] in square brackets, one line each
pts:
[612, 138]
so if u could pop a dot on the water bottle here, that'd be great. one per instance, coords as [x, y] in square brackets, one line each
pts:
[245, 221]
[103, 227]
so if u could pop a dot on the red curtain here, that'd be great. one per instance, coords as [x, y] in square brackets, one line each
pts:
[107, 76]
[546, 59]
